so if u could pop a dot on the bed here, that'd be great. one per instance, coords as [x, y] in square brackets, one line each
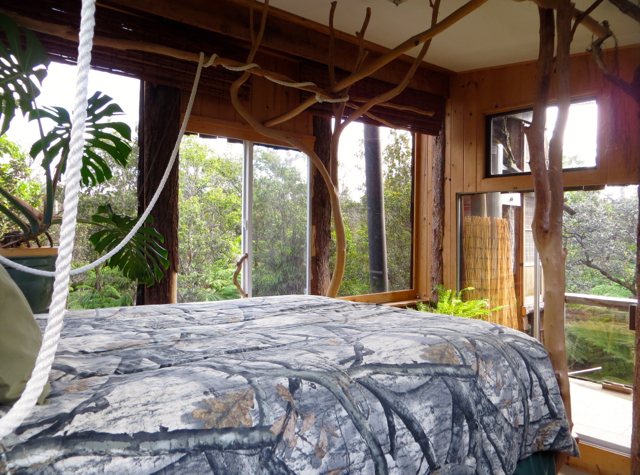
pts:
[293, 384]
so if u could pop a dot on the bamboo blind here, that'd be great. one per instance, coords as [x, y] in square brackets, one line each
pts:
[488, 267]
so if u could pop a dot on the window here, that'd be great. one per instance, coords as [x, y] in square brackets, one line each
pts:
[239, 197]
[390, 238]
[507, 146]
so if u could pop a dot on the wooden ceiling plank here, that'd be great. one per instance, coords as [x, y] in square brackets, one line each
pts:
[282, 34]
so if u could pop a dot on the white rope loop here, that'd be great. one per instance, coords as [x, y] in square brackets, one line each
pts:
[40, 375]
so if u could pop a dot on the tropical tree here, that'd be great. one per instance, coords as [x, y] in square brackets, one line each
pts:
[210, 205]
[398, 183]
[600, 237]
[279, 223]
[16, 177]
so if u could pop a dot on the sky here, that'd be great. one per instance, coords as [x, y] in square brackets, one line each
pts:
[59, 89]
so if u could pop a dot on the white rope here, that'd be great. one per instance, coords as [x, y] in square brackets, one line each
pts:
[321, 98]
[211, 60]
[291, 84]
[241, 68]
[40, 375]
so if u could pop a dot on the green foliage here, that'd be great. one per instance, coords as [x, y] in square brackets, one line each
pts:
[101, 288]
[398, 183]
[142, 258]
[210, 204]
[95, 169]
[600, 337]
[15, 178]
[106, 143]
[450, 303]
[23, 69]
[279, 223]
[601, 243]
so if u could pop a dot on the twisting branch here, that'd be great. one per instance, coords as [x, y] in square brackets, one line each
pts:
[341, 88]
[628, 8]
[632, 88]
[548, 186]
[385, 59]
[584, 15]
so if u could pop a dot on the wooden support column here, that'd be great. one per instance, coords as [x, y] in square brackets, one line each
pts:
[437, 236]
[320, 211]
[159, 128]
[635, 431]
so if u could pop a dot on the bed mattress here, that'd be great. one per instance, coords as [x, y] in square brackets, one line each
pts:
[293, 384]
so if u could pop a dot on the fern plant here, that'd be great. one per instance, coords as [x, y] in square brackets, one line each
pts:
[450, 303]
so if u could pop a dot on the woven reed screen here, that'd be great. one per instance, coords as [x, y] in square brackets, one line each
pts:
[488, 267]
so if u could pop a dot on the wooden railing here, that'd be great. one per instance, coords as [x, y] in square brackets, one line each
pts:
[600, 301]
[629, 305]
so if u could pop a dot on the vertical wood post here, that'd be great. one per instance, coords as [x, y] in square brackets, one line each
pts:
[437, 228]
[320, 211]
[159, 128]
[635, 431]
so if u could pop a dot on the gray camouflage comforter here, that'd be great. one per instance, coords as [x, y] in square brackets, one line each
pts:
[285, 385]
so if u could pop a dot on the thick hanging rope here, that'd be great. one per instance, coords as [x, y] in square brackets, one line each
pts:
[40, 374]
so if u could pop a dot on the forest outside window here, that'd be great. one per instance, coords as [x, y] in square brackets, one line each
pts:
[379, 229]
[507, 146]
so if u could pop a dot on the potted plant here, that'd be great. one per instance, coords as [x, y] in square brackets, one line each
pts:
[24, 68]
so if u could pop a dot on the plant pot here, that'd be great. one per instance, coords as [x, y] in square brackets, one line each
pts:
[36, 289]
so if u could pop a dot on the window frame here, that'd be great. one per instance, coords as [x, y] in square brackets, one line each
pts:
[489, 143]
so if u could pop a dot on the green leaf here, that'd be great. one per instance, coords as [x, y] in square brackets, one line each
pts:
[142, 259]
[56, 143]
[22, 71]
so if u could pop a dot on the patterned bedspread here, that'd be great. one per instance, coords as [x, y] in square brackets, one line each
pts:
[285, 385]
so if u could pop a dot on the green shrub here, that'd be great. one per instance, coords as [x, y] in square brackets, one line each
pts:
[450, 303]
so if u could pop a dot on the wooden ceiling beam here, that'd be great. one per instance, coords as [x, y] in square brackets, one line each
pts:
[285, 33]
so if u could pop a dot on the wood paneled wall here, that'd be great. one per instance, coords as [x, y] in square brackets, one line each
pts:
[213, 115]
[476, 94]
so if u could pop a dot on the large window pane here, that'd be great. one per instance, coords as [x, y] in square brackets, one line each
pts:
[279, 221]
[397, 161]
[210, 216]
[600, 237]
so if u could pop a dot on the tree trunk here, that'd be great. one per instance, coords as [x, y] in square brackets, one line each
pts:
[160, 125]
[437, 236]
[378, 275]
[320, 211]
[548, 187]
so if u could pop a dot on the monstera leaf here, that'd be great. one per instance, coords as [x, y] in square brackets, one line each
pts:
[22, 69]
[142, 259]
[100, 137]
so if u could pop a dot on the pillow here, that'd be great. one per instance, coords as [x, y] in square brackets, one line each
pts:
[20, 341]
